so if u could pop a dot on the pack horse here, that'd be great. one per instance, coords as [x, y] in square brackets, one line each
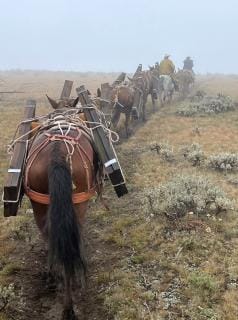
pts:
[144, 83]
[60, 168]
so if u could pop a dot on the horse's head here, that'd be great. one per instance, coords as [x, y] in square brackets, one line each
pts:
[63, 103]
[138, 81]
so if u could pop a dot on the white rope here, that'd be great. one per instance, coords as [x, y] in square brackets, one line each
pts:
[101, 99]
[118, 103]
[71, 119]
[14, 141]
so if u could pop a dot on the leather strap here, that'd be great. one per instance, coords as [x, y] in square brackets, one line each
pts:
[45, 198]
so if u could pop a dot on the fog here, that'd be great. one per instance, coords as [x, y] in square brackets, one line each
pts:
[107, 35]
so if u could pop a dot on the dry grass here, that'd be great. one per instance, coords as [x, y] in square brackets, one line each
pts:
[213, 84]
[148, 267]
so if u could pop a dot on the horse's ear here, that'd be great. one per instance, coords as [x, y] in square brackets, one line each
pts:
[99, 93]
[130, 78]
[74, 104]
[53, 103]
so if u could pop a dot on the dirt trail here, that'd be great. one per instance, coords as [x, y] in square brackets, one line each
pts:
[42, 303]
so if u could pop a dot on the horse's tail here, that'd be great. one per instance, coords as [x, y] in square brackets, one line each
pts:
[65, 245]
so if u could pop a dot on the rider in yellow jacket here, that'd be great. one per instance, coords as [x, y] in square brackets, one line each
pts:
[166, 66]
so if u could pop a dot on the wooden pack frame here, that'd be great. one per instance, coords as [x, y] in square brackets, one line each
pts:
[12, 190]
[119, 79]
[102, 144]
[138, 71]
[66, 91]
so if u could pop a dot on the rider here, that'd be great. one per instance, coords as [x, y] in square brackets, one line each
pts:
[188, 64]
[167, 67]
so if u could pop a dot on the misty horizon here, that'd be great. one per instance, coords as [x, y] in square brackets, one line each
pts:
[107, 36]
[17, 70]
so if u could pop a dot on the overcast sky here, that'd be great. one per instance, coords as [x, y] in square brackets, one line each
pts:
[108, 35]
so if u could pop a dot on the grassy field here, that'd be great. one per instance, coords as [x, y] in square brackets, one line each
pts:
[142, 265]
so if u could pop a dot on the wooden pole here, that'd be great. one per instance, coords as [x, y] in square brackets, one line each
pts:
[13, 185]
[67, 88]
[138, 70]
[119, 79]
[102, 144]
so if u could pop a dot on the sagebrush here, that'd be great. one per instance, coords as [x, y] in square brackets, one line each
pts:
[206, 105]
[164, 149]
[193, 153]
[185, 193]
[224, 161]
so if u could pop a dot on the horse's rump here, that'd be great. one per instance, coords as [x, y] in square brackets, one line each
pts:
[185, 75]
[76, 147]
[185, 80]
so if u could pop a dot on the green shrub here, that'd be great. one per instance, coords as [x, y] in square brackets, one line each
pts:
[164, 150]
[203, 284]
[198, 96]
[20, 228]
[224, 161]
[233, 180]
[183, 194]
[193, 153]
[6, 294]
[206, 105]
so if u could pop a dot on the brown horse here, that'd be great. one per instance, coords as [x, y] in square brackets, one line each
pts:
[122, 101]
[62, 173]
[185, 79]
[147, 83]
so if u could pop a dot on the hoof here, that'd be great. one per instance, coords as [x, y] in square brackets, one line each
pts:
[68, 314]
[51, 284]
[50, 281]
[128, 133]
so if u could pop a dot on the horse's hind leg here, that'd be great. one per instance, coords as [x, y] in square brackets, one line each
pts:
[170, 96]
[127, 125]
[153, 102]
[143, 110]
[161, 100]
